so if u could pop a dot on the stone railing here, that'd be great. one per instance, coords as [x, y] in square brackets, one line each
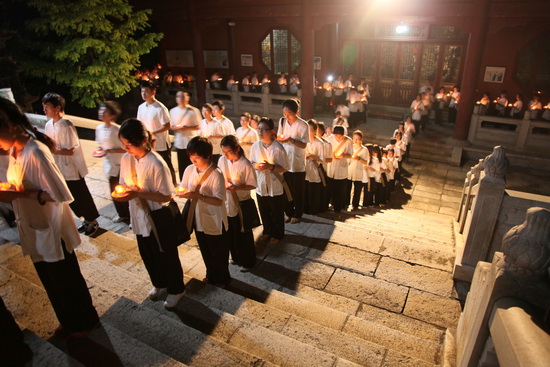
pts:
[487, 211]
[506, 310]
[518, 135]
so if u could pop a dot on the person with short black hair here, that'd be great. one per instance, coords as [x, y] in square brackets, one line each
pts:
[245, 134]
[315, 176]
[453, 104]
[69, 157]
[359, 157]
[293, 134]
[327, 153]
[240, 178]
[212, 130]
[269, 158]
[185, 123]
[156, 118]
[204, 184]
[218, 108]
[338, 169]
[517, 107]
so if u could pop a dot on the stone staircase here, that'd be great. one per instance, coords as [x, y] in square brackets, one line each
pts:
[342, 291]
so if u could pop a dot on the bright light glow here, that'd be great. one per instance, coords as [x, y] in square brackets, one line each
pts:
[401, 28]
[330, 78]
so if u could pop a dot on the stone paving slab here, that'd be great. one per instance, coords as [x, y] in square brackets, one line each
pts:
[415, 276]
[437, 310]
[400, 322]
[335, 301]
[436, 257]
[45, 354]
[395, 359]
[424, 188]
[345, 346]
[369, 242]
[346, 257]
[368, 290]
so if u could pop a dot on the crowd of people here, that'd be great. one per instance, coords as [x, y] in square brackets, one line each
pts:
[503, 107]
[291, 166]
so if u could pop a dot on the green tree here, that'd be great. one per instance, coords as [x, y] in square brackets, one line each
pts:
[92, 46]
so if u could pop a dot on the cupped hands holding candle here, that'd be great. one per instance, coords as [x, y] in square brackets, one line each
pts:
[5, 186]
[124, 193]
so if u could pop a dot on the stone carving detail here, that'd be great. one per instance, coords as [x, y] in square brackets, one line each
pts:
[496, 164]
[527, 247]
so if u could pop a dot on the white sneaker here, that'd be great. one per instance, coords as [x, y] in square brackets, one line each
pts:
[155, 293]
[173, 299]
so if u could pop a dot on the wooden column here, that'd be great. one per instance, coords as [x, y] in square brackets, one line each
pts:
[198, 57]
[472, 66]
[308, 77]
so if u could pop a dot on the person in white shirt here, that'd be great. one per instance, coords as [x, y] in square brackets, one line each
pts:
[147, 180]
[359, 157]
[282, 82]
[501, 103]
[344, 111]
[212, 129]
[327, 153]
[408, 136]
[293, 133]
[265, 83]
[156, 118]
[270, 161]
[453, 104]
[338, 169]
[392, 165]
[246, 83]
[372, 176]
[254, 82]
[185, 123]
[106, 137]
[546, 114]
[232, 85]
[515, 111]
[484, 104]
[416, 111]
[240, 178]
[245, 134]
[218, 108]
[398, 148]
[381, 189]
[204, 184]
[315, 175]
[440, 102]
[340, 121]
[47, 231]
[294, 84]
[215, 80]
[338, 87]
[535, 107]
[254, 122]
[69, 157]
[327, 97]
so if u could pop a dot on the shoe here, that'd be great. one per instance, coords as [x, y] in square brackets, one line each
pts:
[155, 293]
[173, 299]
[274, 241]
[78, 336]
[91, 228]
[118, 219]
[294, 220]
[244, 269]
[83, 227]
[263, 238]
[61, 332]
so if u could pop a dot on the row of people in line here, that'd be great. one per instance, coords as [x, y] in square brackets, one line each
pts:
[426, 101]
[503, 107]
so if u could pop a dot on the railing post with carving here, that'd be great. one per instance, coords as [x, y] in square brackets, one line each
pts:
[471, 180]
[479, 227]
[520, 272]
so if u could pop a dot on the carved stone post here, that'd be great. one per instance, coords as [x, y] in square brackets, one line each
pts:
[519, 273]
[480, 224]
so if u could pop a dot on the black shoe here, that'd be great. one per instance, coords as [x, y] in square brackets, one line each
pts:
[91, 228]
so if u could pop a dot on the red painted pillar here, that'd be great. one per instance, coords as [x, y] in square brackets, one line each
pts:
[308, 77]
[472, 66]
[198, 57]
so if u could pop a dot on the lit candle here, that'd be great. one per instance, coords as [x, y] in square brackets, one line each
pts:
[478, 102]
[281, 136]
[5, 186]
[98, 152]
[228, 185]
[120, 191]
[181, 190]
[509, 105]
[533, 107]
[496, 101]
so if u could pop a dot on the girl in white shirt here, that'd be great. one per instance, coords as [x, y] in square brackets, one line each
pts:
[240, 178]
[185, 120]
[218, 108]
[392, 165]
[212, 129]
[515, 112]
[47, 231]
[204, 184]
[270, 161]
[327, 150]
[338, 169]
[148, 182]
[315, 178]
[372, 171]
[246, 135]
[106, 136]
[417, 107]
[453, 104]
[359, 157]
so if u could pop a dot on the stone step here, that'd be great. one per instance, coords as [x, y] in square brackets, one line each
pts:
[327, 330]
[46, 354]
[175, 338]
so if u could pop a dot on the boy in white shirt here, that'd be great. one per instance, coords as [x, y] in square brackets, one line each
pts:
[338, 170]
[218, 110]
[156, 118]
[315, 175]
[69, 157]
[185, 123]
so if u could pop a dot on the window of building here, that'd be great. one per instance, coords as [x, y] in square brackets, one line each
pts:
[281, 51]
[532, 69]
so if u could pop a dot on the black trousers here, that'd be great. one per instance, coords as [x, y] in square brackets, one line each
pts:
[424, 121]
[338, 193]
[368, 198]
[380, 195]
[297, 183]
[68, 292]
[164, 268]
[313, 203]
[183, 161]
[215, 254]
[452, 114]
[13, 350]
[390, 186]
[357, 188]
[416, 125]
[122, 209]
[167, 156]
[272, 214]
[241, 244]
[327, 194]
[83, 204]
[347, 194]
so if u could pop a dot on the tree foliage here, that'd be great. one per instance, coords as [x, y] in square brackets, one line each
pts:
[92, 46]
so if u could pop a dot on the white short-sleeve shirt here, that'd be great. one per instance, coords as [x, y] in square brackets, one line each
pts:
[210, 219]
[315, 147]
[214, 132]
[152, 175]
[338, 168]
[228, 126]
[247, 136]
[107, 138]
[299, 130]
[355, 169]
[64, 134]
[241, 172]
[154, 116]
[188, 117]
[42, 227]
[268, 184]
